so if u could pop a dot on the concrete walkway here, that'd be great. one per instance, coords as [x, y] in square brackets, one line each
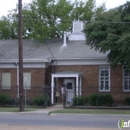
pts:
[44, 110]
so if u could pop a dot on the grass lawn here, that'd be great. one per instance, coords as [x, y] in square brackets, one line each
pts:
[15, 109]
[92, 111]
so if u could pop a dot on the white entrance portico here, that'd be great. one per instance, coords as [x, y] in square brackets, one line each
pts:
[67, 75]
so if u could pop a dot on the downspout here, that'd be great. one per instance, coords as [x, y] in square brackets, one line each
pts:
[53, 66]
[53, 82]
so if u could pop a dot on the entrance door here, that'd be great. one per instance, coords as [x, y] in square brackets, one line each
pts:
[70, 89]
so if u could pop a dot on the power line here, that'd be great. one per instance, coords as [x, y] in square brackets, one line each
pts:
[70, 20]
[108, 22]
[50, 51]
[67, 20]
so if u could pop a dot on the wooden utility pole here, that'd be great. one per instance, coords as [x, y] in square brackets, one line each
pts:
[20, 48]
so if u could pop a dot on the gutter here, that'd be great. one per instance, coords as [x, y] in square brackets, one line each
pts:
[24, 60]
[82, 58]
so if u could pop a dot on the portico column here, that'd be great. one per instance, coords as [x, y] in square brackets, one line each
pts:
[80, 85]
[52, 89]
[77, 85]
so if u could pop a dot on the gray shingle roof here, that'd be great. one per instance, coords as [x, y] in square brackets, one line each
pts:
[35, 50]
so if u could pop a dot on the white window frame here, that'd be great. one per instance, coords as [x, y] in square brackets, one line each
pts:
[104, 89]
[26, 81]
[126, 77]
[6, 75]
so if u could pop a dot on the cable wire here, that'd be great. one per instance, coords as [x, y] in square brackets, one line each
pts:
[50, 51]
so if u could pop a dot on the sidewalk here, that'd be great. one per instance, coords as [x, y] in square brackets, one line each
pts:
[43, 110]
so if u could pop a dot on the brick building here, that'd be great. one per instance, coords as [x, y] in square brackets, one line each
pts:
[61, 61]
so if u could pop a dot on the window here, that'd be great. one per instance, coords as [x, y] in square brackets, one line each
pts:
[126, 79]
[6, 80]
[27, 80]
[104, 78]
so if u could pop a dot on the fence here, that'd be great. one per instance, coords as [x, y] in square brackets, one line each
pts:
[86, 97]
[91, 97]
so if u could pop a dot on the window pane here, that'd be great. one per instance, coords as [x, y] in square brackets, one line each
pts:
[126, 79]
[102, 73]
[125, 84]
[104, 78]
[102, 85]
[126, 73]
[106, 85]
[129, 85]
[106, 73]
[6, 80]
[129, 73]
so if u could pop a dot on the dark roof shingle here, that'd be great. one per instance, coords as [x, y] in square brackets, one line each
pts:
[35, 50]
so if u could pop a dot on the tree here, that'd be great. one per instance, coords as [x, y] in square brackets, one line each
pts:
[53, 10]
[50, 18]
[6, 29]
[110, 33]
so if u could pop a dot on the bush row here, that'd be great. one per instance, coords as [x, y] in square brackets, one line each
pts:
[79, 100]
[93, 99]
[4, 99]
[100, 99]
[39, 101]
[97, 100]
[127, 100]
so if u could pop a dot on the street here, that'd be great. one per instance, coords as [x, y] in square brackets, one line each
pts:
[57, 121]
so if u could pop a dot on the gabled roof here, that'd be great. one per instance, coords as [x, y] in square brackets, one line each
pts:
[35, 50]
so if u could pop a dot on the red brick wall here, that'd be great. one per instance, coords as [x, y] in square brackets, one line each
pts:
[37, 76]
[90, 79]
[37, 82]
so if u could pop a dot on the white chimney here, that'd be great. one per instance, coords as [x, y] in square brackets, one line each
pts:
[64, 43]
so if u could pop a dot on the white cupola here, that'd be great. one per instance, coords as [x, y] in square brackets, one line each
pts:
[77, 32]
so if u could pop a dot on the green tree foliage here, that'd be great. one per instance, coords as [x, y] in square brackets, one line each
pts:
[6, 29]
[110, 33]
[50, 18]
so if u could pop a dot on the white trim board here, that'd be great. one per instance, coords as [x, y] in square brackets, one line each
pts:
[25, 65]
[83, 62]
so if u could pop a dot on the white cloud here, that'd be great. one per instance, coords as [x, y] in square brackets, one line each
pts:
[111, 3]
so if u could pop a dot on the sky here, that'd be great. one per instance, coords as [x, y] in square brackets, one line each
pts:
[6, 5]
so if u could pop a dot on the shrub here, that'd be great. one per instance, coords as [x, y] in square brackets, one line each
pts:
[40, 100]
[16, 101]
[127, 100]
[79, 100]
[4, 99]
[100, 99]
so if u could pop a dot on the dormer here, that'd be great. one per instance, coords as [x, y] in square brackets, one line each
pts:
[77, 32]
